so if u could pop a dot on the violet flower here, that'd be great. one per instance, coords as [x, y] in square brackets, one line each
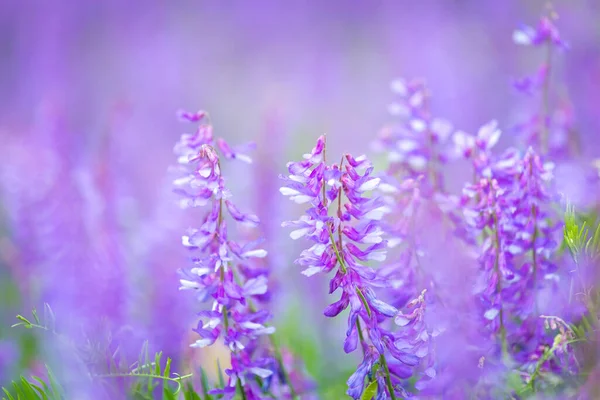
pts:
[342, 243]
[223, 274]
[508, 213]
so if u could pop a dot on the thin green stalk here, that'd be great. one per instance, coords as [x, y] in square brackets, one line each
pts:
[337, 253]
[360, 334]
[388, 378]
[241, 389]
[534, 260]
[499, 282]
[364, 301]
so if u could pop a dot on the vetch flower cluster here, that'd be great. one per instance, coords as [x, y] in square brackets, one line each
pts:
[222, 274]
[342, 243]
[508, 212]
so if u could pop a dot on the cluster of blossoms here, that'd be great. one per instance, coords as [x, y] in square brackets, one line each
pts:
[405, 313]
[416, 144]
[342, 243]
[503, 216]
[224, 274]
[507, 209]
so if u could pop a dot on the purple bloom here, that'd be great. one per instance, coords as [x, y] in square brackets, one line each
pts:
[222, 271]
[343, 240]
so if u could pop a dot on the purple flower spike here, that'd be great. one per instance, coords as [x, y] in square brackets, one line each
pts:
[220, 274]
[343, 238]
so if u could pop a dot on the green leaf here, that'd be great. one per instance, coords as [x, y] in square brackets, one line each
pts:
[167, 370]
[28, 389]
[190, 394]
[9, 396]
[35, 316]
[204, 383]
[370, 391]
[24, 321]
[220, 372]
[157, 358]
[57, 391]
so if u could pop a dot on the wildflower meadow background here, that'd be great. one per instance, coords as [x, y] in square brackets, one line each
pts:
[299, 200]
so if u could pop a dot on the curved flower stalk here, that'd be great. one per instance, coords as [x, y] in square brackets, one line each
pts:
[342, 243]
[223, 274]
[538, 128]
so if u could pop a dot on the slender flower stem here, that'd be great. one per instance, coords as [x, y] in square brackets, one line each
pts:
[360, 334]
[534, 259]
[364, 301]
[337, 252]
[241, 389]
[388, 378]
[499, 284]
[533, 248]
[344, 269]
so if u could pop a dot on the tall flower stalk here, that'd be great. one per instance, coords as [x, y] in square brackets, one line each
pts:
[224, 274]
[538, 129]
[344, 239]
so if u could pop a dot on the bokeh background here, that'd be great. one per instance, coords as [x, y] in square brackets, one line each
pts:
[88, 98]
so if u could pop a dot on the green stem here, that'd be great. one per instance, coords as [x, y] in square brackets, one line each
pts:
[241, 389]
[499, 283]
[364, 301]
[360, 334]
[388, 377]
[337, 253]
[534, 260]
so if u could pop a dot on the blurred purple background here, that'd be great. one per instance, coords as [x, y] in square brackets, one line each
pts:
[89, 91]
